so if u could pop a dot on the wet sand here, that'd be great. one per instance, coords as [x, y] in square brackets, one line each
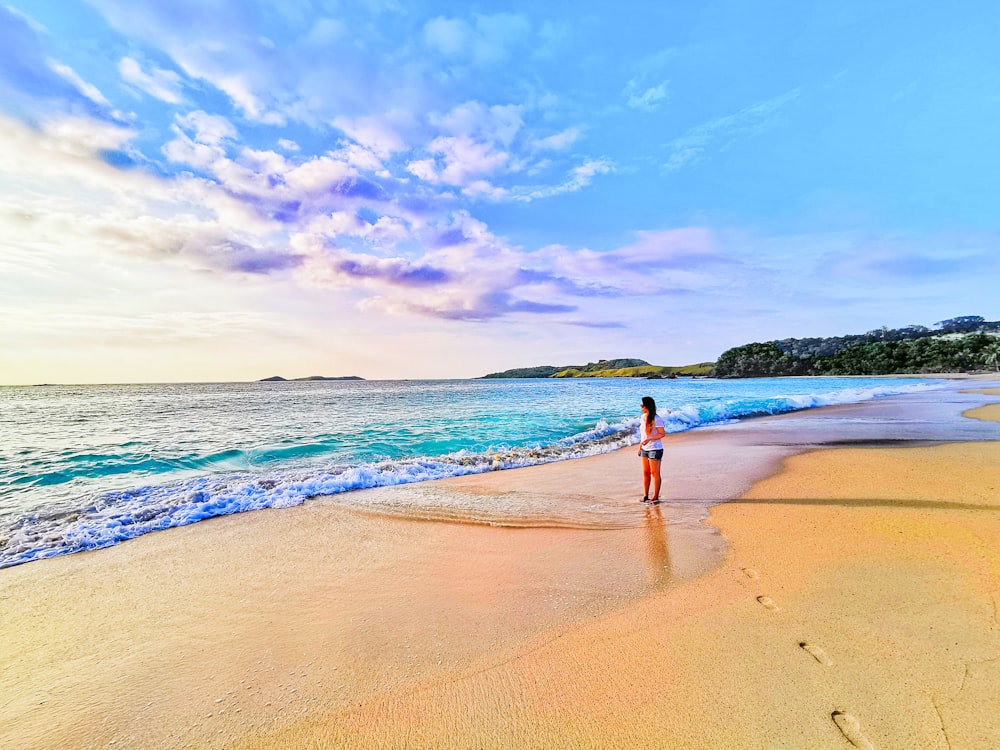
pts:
[850, 595]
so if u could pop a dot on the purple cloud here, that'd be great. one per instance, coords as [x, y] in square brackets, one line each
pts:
[266, 263]
[287, 212]
[595, 324]
[358, 187]
[237, 256]
[521, 305]
[563, 284]
[490, 306]
[395, 271]
[450, 238]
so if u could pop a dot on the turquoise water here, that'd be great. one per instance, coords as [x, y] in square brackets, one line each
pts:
[83, 467]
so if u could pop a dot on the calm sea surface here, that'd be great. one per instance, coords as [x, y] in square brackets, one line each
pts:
[83, 467]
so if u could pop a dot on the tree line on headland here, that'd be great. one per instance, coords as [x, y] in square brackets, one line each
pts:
[962, 344]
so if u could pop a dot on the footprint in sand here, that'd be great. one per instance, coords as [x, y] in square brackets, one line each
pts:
[768, 603]
[851, 728]
[751, 573]
[816, 653]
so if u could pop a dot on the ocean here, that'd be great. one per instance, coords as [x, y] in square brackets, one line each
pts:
[85, 467]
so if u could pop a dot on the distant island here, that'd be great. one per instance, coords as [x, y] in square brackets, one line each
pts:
[279, 379]
[606, 368]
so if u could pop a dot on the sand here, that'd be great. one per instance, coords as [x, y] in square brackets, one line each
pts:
[847, 596]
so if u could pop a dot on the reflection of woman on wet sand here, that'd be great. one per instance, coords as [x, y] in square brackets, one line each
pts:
[651, 429]
[656, 545]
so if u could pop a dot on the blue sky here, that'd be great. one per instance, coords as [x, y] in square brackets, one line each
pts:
[226, 190]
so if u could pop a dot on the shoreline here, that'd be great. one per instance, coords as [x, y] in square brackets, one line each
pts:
[65, 524]
[316, 626]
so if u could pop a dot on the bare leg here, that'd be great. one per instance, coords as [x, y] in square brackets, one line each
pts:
[654, 469]
[646, 472]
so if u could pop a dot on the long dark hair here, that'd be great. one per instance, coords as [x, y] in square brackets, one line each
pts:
[650, 405]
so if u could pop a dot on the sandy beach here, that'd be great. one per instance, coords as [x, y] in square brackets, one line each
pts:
[822, 579]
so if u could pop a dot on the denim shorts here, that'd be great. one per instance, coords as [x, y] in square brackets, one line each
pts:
[653, 455]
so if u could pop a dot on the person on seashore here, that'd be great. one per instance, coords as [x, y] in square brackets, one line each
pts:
[651, 431]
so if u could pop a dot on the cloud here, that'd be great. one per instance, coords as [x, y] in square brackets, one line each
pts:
[206, 128]
[32, 84]
[582, 175]
[58, 177]
[449, 267]
[373, 133]
[164, 85]
[88, 90]
[278, 67]
[200, 140]
[498, 124]
[718, 133]
[671, 248]
[383, 232]
[485, 41]
[320, 226]
[906, 260]
[559, 141]
[83, 136]
[362, 158]
[375, 214]
[497, 35]
[281, 67]
[290, 191]
[648, 99]
[318, 175]
[232, 255]
[487, 145]
[395, 271]
[457, 159]
[477, 309]
[470, 276]
[601, 325]
[578, 178]
[482, 189]
[236, 68]
[657, 262]
[131, 329]
[449, 36]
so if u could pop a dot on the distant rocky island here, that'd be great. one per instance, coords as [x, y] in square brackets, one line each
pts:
[279, 379]
[606, 368]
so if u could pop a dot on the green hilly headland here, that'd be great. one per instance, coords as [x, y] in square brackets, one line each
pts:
[606, 368]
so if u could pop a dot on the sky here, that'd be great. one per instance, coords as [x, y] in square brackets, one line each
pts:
[226, 190]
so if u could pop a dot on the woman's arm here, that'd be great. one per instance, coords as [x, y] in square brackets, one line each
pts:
[657, 432]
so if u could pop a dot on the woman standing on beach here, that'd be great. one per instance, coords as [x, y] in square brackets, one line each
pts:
[651, 430]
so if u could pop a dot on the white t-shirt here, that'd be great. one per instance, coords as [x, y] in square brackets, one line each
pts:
[655, 445]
